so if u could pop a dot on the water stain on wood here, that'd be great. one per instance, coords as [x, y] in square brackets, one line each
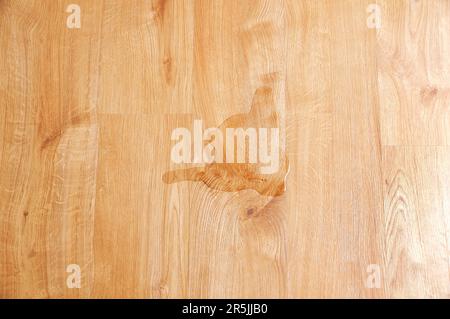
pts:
[234, 177]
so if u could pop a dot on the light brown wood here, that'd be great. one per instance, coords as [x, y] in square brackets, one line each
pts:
[87, 178]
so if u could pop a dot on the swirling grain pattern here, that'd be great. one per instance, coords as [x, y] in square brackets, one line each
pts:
[86, 116]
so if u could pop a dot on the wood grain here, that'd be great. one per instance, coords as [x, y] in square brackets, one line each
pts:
[86, 117]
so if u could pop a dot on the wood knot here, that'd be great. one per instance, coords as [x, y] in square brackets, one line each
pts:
[428, 94]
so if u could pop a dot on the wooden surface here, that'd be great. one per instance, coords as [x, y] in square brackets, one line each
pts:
[85, 122]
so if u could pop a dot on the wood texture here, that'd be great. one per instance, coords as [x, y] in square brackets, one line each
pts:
[86, 117]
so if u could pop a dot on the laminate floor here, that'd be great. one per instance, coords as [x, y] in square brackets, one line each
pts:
[93, 204]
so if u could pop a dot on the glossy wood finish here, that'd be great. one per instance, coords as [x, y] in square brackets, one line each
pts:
[86, 117]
